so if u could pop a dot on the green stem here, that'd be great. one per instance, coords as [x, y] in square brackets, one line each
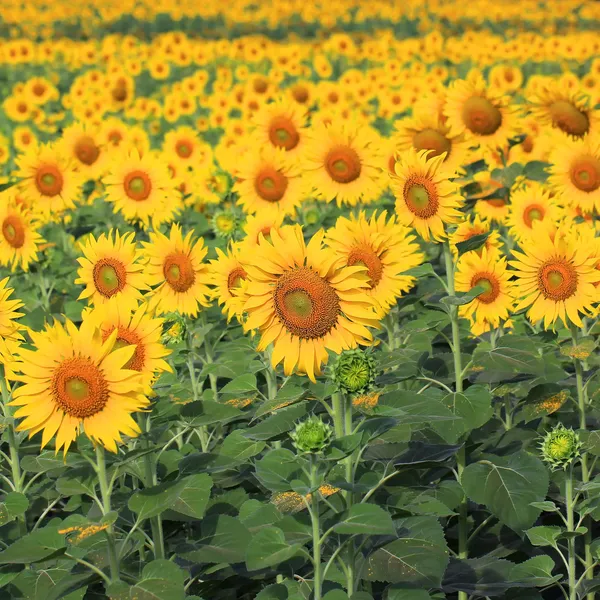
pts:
[571, 541]
[507, 412]
[105, 494]
[202, 433]
[150, 481]
[337, 404]
[316, 527]
[349, 467]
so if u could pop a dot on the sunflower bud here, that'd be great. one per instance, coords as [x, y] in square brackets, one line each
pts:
[311, 436]
[312, 216]
[354, 371]
[561, 446]
[173, 329]
[225, 224]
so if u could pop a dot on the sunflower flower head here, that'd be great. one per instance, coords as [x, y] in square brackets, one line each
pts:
[354, 371]
[561, 446]
[311, 436]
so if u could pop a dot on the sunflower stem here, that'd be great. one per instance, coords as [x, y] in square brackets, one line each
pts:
[349, 466]
[461, 454]
[105, 494]
[571, 541]
[337, 405]
[316, 527]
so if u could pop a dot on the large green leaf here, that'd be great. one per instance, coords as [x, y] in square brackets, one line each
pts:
[277, 469]
[268, 548]
[280, 422]
[507, 486]
[33, 547]
[161, 580]
[237, 446]
[366, 519]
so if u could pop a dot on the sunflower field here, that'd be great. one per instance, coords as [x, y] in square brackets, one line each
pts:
[299, 301]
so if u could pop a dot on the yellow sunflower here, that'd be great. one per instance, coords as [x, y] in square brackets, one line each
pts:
[267, 182]
[304, 303]
[10, 329]
[426, 199]
[530, 204]
[575, 172]
[83, 144]
[492, 209]
[72, 381]
[488, 117]
[281, 124]
[471, 227]
[50, 184]
[386, 248]
[184, 146]
[565, 110]
[340, 163]
[555, 278]
[259, 224]
[229, 279]
[112, 268]
[141, 189]
[138, 328]
[491, 308]
[175, 266]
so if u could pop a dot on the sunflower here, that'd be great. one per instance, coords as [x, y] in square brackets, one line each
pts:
[229, 279]
[112, 268]
[493, 306]
[10, 329]
[340, 162]
[575, 172]
[489, 207]
[260, 224]
[304, 303]
[141, 189]
[530, 204]
[82, 143]
[281, 124]
[50, 183]
[20, 240]
[384, 247]
[565, 110]
[426, 199]
[471, 227]
[175, 266]
[184, 145]
[556, 278]
[72, 381]
[471, 107]
[138, 328]
[267, 183]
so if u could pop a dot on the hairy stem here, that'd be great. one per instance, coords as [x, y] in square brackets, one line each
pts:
[571, 541]
[316, 527]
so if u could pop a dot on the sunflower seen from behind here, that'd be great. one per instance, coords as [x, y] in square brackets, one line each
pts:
[175, 266]
[386, 248]
[111, 267]
[426, 199]
[73, 381]
[304, 303]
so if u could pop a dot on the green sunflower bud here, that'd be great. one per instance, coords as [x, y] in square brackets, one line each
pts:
[311, 436]
[561, 446]
[173, 329]
[225, 224]
[312, 216]
[354, 371]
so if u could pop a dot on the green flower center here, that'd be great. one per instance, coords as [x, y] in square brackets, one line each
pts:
[298, 303]
[77, 389]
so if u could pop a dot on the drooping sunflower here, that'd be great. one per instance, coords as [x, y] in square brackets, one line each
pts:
[426, 199]
[555, 278]
[386, 248]
[304, 303]
[112, 268]
[229, 279]
[489, 271]
[138, 328]
[486, 116]
[73, 381]
[340, 163]
[20, 239]
[565, 109]
[82, 143]
[474, 226]
[575, 172]
[50, 182]
[528, 205]
[10, 329]
[175, 265]
[141, 189]
[281, 124]
[267, 183]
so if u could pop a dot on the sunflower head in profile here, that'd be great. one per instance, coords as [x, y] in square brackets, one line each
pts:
[111, 267]
[50, 183]
[141, 188]
[74, 381]
[488, 271]
[19, 237]
[426, 198]
[556, 278]
[175, 265]
[229, 279]
[83, 144]
[281, 124]
[10, 329]
[532, 204]
[471, 107]
[565, 109]
[135, 327]
[575, 172]
[304, 302]
[268, 182]
[387, 250]
[340, 163]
